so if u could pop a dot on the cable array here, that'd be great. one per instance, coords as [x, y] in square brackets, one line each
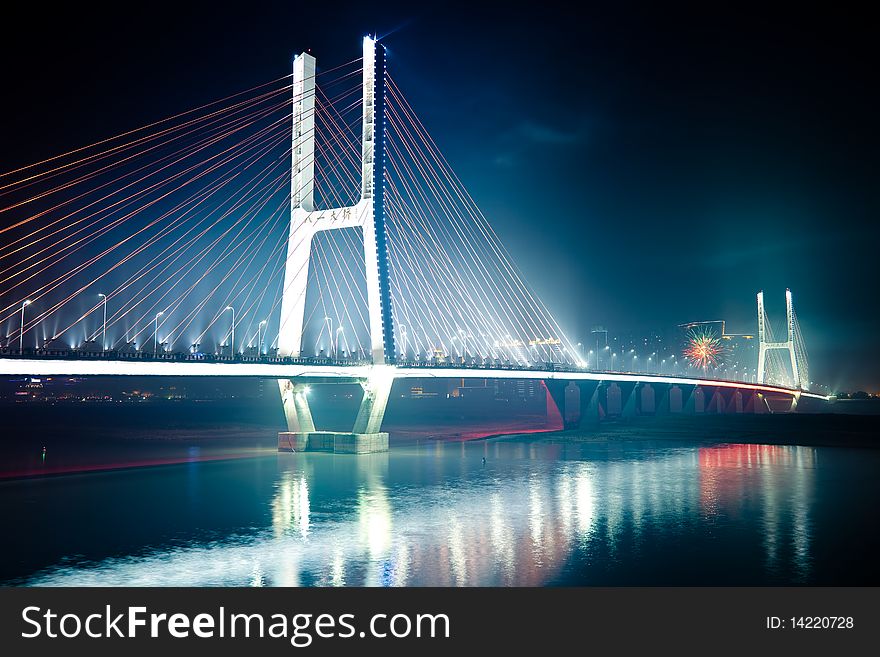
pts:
[457, 290]
[178, 233]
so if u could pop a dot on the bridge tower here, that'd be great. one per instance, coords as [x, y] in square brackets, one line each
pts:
[368, 213]
[766, 344]
[305, 221]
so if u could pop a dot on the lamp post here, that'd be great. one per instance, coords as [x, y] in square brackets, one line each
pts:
[596, 330]
[336, 346]
[232, 331]
[261, 340]
[156, 335]
[21, 332]
[613, 356]
[403, 340]
[329, 322]
[104, 325]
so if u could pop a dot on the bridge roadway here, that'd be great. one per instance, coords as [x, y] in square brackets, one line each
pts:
[325, 370]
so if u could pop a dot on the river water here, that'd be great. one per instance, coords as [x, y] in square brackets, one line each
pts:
[533, 513]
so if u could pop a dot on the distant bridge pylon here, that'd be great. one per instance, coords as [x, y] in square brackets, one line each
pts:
[771, 367]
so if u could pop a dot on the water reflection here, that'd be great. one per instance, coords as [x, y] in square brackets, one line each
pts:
[785, 519]
[531, 515]
[290, 505]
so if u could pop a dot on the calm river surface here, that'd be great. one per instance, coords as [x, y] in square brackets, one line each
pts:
[534, 514]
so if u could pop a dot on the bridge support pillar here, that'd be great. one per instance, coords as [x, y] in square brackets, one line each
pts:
[377, 389]
[647, 399]
[578, 402]
[294, 397]
[572, 413]
[676, 399]
[696, 402]
[613, 399]
[735, 404]
[365, 436]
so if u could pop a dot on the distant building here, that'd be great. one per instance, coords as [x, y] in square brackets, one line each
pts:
[519, 389]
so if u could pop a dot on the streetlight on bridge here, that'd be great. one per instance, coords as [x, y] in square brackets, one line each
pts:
[232, 331]
[329, 322]
[156, 335]
[104, 325]
[261, 338]
[595, 331]
[21, 332]
[336, 346]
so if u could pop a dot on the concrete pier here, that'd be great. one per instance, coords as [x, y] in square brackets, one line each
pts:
[336, 442]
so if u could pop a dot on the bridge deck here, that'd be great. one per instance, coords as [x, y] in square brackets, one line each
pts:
[341, 373]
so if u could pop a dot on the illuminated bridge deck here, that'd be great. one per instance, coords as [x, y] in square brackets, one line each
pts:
[313, 370]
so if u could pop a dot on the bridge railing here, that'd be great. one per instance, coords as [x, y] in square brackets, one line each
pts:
[271, 359]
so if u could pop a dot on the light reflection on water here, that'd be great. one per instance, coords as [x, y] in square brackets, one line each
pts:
[533, 514]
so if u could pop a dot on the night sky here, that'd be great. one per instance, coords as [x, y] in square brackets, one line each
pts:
[645, 167]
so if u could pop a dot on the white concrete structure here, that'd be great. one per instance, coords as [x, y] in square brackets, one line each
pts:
[788, 345]
[305, 221]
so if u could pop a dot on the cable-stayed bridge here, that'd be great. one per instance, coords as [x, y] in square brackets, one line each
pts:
[309, 230]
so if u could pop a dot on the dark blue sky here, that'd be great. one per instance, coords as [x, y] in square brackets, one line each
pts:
[647, 167]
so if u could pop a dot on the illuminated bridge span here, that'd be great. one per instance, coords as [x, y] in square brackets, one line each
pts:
[314, 217]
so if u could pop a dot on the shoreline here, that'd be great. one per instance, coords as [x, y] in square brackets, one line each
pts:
[808, 430]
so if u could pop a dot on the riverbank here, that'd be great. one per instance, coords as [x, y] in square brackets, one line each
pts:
[820, 430]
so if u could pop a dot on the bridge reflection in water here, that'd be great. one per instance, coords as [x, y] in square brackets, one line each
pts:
[533, 514]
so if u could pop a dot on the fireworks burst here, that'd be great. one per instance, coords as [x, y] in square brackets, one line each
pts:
[703, 349]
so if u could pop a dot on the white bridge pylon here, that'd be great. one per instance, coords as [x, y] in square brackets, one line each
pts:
[305, 221]
[766, 343]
